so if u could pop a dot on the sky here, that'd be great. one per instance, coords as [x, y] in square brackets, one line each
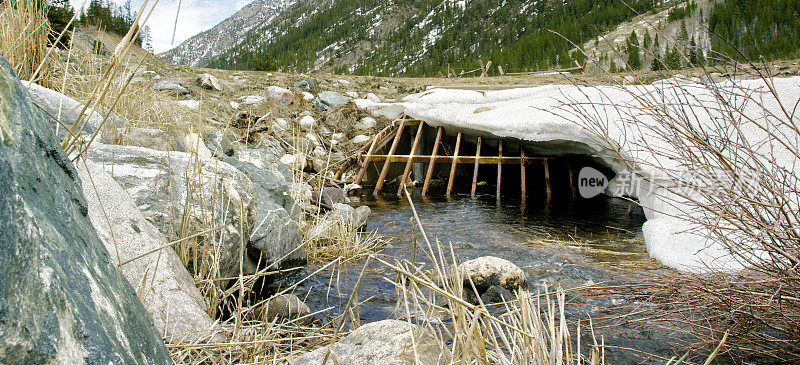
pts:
[195, 16]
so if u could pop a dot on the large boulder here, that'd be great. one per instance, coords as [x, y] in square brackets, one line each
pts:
[181, 195]
[487, 272]
[208, 81]
[275, 234]
[154, 270]
[67, 110]
[387, 342]
[62, 300]
[330, 100]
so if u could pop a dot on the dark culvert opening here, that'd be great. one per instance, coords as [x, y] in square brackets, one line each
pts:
[561, 169]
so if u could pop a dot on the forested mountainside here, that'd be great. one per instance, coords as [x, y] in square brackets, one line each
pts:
[425, 37]
[429, 37]
[226, 34]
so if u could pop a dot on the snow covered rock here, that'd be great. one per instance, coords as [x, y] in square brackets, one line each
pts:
[373, 98]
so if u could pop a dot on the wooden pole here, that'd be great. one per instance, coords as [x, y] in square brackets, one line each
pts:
[547, 179]
[499, 166]
[431, 164]
[572, 181]
[477, 163]
[364, 165]
[453, 165]
[523, 185]
[410, 160]
[385, 168]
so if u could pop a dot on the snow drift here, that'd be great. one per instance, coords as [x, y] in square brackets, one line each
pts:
[553, 119]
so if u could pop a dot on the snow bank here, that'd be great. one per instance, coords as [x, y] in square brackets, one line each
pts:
[546, 117]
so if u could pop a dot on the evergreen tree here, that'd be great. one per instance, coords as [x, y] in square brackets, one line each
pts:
[634, 58]
[673, 59]
[647, 40]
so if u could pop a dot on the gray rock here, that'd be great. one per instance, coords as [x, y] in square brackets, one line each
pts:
[330, 100]
[61, 298]
[150, 138]
[275, 234]
[329, 196]
[354, 217]
[287, 307]
[171, 87]
[373, 98]
[178, 193]
[219, 143]
[161, 281]
[306, 84]
[67, 110]
[387, 342]
[267, 158]
[209, 82]
[489, 271]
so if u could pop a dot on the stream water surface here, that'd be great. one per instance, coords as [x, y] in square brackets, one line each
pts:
[564, 243]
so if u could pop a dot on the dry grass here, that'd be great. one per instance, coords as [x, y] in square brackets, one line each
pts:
[743, 194]
[23, 38]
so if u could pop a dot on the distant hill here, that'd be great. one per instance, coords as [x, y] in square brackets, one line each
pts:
[425, 37]
[226, 34]
[433, 37]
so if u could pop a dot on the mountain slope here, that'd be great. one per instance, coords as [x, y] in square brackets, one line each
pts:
[226, 34]
[425, 37]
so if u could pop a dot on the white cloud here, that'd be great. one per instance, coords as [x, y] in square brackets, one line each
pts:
[195, 17]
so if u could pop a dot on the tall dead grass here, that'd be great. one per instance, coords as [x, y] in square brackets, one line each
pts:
[735, 172]
[23, 37]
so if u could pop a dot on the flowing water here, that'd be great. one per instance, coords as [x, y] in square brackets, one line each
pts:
[565, 243]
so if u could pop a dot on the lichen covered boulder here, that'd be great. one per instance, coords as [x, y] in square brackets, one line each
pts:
[61, 298]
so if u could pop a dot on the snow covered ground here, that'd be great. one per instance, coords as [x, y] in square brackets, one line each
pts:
[557, 115]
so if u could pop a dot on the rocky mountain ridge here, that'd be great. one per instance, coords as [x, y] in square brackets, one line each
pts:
[226, 34]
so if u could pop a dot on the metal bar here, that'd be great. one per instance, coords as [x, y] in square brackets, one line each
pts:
[547, 179]
[523, 185]
[385, 169]
[431, 164]
[477, 163]
[483, 160]
[499, 166]
[410, 160]
[453, 165]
